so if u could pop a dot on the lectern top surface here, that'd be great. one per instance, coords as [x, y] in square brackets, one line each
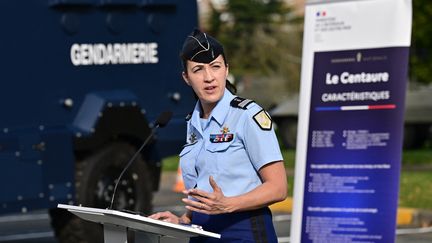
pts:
[136, 222]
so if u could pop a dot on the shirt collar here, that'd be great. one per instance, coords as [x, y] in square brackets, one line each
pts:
[219, 113]
[195, 119]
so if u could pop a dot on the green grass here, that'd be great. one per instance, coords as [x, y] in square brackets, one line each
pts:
[416, 189]
[170, 163]
[289, 158]
[417, 157]
[416, 185]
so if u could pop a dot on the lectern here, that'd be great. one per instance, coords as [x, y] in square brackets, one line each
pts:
[116, 224]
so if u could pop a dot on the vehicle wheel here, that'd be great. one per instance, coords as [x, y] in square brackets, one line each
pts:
[95, 180]
[288, 132]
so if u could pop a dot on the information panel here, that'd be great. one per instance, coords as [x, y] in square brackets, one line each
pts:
[354, 78]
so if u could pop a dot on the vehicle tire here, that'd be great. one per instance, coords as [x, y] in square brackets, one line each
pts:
[95, 179]
[288, 132]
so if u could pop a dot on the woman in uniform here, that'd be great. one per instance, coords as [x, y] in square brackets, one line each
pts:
[232, 166]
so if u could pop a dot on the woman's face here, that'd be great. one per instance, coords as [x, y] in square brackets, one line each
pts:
[208, 80]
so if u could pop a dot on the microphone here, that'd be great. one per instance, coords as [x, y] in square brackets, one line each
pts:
[161, 121]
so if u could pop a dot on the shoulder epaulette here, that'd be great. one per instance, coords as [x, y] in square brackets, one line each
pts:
[188, 117]
[241, 103]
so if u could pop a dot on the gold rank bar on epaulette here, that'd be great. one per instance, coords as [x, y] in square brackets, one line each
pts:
[241, 103]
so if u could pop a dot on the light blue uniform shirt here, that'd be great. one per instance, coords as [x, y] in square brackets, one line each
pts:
[230, 146]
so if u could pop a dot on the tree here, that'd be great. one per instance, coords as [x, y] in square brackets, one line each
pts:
[262, 38]
[421, 43]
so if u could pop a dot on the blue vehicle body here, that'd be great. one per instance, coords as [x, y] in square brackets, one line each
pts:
[78, 75]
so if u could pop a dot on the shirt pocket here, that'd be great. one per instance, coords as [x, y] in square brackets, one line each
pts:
[218, 147]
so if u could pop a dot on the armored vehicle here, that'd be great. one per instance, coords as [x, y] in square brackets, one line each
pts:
[82, 82]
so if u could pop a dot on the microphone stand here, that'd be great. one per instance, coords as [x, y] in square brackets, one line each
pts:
[153, 131]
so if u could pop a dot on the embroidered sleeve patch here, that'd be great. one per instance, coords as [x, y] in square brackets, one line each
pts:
[263, 120]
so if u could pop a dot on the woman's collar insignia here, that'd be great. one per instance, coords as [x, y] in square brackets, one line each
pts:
[192, 138]
[225, 130]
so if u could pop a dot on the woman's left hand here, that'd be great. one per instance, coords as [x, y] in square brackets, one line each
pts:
[208, 203]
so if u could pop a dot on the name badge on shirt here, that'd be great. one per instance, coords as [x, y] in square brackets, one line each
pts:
[221, 138]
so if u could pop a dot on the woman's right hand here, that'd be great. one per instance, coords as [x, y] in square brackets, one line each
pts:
[166, 217]
[171, 218]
